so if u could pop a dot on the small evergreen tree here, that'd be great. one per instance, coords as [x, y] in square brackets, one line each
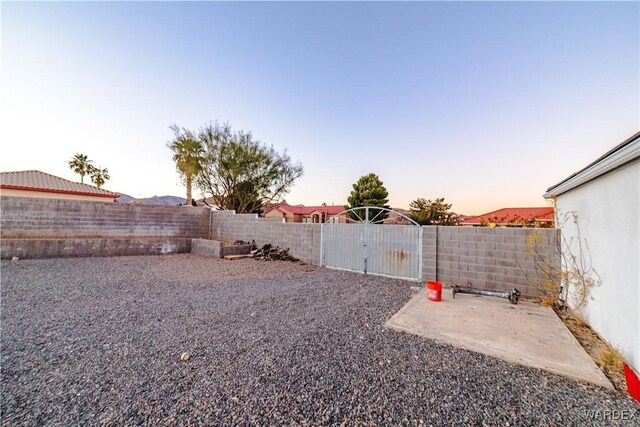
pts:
[369, 191]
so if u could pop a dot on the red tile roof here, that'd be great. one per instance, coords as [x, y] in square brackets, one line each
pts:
[40, 181]
[511, 215]
[330, 210]
[307, 210]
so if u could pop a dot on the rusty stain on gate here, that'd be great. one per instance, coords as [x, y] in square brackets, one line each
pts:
[362, 243]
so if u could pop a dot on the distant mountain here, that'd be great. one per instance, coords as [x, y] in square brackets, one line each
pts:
[155, 200]
[124, 199]
[163, 201]
[398, 219]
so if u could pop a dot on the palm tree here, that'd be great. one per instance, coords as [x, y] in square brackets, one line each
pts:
[81, 164]
[99, 176]
[187, 155]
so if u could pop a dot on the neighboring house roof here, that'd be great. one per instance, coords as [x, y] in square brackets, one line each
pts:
[329, 210]
[622, 153]
[306, 210]
[39, 181]
[511, 215]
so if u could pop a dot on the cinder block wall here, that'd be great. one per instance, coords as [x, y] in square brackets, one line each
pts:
[429, 252]
[491, 258]
[37, 228]
[303, 240]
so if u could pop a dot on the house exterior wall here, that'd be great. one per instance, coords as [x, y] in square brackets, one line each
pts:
[278, 214]
[339, 219]
[303, 218]
[10, 192]
[608, 216]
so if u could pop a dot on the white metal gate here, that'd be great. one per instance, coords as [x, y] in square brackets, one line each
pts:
[357, 240]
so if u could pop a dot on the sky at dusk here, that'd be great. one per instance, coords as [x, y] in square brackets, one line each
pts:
[485, 104]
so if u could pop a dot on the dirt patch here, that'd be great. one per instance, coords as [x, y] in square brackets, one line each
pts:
[602, 353]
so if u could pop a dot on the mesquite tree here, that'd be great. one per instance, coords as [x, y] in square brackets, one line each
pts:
[437, 212]
[242, 173]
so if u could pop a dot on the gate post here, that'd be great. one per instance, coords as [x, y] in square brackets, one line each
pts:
[322, 257]
[420, 234]
[366, 238]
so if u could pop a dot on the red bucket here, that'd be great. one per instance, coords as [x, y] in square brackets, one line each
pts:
[434, 291]
[633, 383]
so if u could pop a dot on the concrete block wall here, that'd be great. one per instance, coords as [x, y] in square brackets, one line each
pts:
[236, 250]
[94, 247]
[206, 248]
[495, 258]
[429, 253]
[23, 217]
[38, 228]
[492, 258]
[489, 258]
[303, 240]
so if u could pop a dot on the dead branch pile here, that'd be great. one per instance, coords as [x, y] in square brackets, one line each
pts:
[270, 253]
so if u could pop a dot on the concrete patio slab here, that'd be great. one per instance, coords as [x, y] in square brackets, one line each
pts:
[526, 333]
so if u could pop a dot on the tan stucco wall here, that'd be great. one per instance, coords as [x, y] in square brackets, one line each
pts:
[277, 213]
[45, 195]
[289, 217]
[342, 218]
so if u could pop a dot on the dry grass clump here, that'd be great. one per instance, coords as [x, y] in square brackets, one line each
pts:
[610, 360]
[549, 300]
[606, 357]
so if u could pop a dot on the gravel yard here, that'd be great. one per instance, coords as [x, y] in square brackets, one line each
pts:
[98, 341]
